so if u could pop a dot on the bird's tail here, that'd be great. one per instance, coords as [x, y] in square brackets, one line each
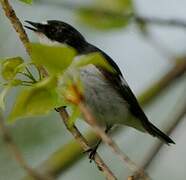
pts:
[154, 131]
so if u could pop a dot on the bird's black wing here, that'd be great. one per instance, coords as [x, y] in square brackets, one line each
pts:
[118, 82]
[120, 85]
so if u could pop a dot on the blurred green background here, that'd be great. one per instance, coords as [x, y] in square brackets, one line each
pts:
[143, 59]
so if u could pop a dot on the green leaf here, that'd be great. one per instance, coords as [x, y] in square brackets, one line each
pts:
[37, 100]
[93, 58]
[26, 1]
[100, 20]
[107, 15]
[3, 95]
[10, 67]
[122, 6]
[74, 116]
[54, 58]
[6, 89]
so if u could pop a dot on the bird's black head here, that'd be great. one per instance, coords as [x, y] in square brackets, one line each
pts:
[58, 31]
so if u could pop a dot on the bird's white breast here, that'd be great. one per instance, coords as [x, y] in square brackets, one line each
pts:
[104, 101]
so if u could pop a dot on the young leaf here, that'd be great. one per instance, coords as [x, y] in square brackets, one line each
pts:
[26, 1]
[9, 67]
[100, 20]
[74, 115]
[37, 100]
[54, 58]
[122, 6]
[3, 95]
[93, 58]
[6, 89]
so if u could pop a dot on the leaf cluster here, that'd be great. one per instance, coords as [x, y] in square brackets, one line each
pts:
[38, 95]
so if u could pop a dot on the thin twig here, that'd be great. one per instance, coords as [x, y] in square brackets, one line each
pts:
[10, 13]
[160, 21]
[85, 146]
[131, 16]
[91, 121]
[174, 121]
[59, 161]
[78, 100]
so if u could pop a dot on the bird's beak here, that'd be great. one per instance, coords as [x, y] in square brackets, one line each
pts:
[36, 27]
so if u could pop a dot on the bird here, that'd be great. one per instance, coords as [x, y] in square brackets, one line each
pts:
[107, 94]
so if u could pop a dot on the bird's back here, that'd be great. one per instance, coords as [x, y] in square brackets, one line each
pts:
[112, 100]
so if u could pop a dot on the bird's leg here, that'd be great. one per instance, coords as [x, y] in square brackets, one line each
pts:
[92, 151]
[57, 109]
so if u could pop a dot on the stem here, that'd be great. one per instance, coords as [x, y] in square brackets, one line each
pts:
[11, 15]
[174, 119]
[78, 100]
[160, 21]
[172, 75]
[84, 144]
[131, 16]
[92, 122]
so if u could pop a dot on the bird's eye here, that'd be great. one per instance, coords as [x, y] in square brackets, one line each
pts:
[53, 30]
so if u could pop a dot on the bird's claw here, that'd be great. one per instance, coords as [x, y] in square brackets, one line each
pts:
[56, 109]
[92, 152]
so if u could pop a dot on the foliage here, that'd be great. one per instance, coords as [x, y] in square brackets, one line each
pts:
[106, 15]
[40, 96]
[54, 58]
[10, 67]
[26, 1]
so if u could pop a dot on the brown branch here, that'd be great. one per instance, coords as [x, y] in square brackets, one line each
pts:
[78, 100]
[92, 122]
[11, 15]
[24, 40]
[85, 146]
[60, 161]
[130, 16]
[174, 120]
[160, 21]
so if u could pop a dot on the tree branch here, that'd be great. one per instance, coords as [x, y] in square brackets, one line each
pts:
[131, 16]
[92, 122]
[78, 99]
[85, 146]
[11, 15]
[60, 161]
[174, 120]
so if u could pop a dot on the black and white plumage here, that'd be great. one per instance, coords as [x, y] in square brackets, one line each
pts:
[107, 94]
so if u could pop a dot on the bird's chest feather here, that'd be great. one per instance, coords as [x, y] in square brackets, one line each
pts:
[104, 101]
